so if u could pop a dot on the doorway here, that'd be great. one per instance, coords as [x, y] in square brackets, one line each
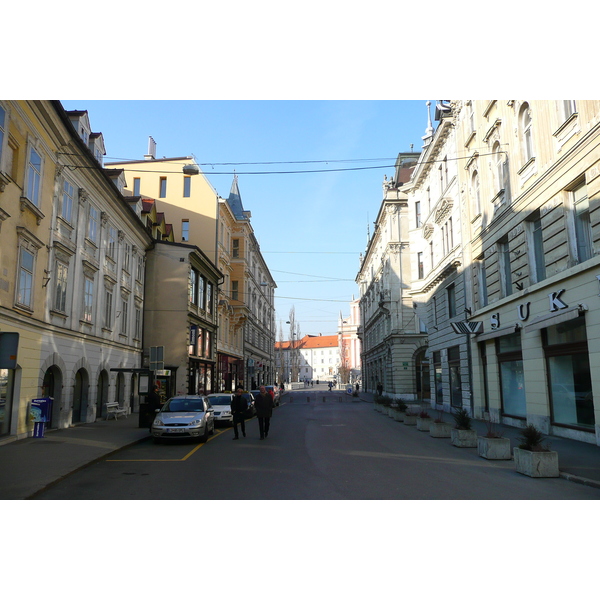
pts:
[80, 396]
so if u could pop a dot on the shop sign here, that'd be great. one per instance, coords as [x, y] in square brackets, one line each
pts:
[523, 313]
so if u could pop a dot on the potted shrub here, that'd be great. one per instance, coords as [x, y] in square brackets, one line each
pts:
[534, 458]
[492, 445]
[440, 428]
[463, 436]
[399, 410]
[423, 421]
[410, 416]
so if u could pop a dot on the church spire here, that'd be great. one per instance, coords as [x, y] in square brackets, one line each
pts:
[235, 199]
[429, 131]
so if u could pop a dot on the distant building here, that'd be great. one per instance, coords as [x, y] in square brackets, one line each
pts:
[317, 357]
[349, 344]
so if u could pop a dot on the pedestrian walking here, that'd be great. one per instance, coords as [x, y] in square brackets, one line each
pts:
[153, 402]
[357, 387]
[238, 412]
[264, 409]
[379, 389]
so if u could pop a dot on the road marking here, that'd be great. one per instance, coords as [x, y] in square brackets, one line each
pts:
[215, 435]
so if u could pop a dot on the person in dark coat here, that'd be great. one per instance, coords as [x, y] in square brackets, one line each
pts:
[153, 402]
[264, 409]
[380, 389]
[238, 411]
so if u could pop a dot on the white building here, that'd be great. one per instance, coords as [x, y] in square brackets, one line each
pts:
[317, 358]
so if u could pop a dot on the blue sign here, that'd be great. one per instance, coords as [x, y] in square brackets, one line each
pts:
[41, 410]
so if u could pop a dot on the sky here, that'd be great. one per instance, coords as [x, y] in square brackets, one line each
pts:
[311, 227]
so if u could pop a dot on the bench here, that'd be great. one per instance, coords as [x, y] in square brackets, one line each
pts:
[113, 408]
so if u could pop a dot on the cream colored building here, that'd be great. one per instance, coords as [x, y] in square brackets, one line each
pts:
[71, 269]
[349, 344]
[392, 336]
[530, 184]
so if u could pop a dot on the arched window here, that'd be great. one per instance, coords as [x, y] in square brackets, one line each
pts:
[476, 193]
[526, 134]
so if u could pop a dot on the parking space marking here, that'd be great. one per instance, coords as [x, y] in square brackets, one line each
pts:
[215, 435]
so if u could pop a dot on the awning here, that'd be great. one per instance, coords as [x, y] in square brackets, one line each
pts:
[497, 333]
[566, 314]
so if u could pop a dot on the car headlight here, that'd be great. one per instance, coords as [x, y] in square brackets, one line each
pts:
[158, 423]
[196, 423]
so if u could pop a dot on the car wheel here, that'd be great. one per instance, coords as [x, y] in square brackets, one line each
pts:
[204, 438]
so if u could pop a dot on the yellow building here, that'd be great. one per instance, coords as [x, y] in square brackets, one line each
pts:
[72, 258]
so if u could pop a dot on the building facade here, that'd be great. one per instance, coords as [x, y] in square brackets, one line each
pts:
[181, 318]
[437, 283]
[72, 258]
[530, 181]
[313, 358]
[393, 338]
[349, 344]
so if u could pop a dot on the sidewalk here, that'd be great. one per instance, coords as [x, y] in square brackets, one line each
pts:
[29, 465]
[577, 461]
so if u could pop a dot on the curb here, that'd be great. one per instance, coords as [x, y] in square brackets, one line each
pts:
[578, 479]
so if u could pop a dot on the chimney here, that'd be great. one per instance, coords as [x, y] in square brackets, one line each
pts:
[151, 149]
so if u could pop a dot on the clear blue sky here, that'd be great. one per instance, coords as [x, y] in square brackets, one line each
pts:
[311, 226]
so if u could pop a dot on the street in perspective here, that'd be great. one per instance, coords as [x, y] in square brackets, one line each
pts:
[323, 445]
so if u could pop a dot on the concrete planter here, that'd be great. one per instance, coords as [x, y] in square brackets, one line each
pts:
[536, 464]
[423, 424]
[440, 430]
[494, 448]
[464, 438]
[398, 415]
[410, 419]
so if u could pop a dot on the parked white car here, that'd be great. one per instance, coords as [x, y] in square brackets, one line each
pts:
[222, 405]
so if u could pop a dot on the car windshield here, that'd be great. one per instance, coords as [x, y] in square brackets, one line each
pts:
[220, 399]
[184, 405]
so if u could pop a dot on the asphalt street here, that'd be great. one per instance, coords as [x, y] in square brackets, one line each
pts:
[321, 446]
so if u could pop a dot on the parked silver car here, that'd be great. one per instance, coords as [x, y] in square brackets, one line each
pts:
[222, 405]
[184, 417]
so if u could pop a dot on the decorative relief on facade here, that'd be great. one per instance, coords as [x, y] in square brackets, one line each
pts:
[428, 231]
[444, 210]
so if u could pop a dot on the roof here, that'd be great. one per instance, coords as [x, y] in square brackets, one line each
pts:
[235, 200]
[311, 342]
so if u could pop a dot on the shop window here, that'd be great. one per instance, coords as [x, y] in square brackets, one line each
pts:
[512, 381]
[535, 246]
[455, 379]
[569, 376]
[437, 374]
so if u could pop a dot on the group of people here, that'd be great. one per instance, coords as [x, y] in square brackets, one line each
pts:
[264, 409]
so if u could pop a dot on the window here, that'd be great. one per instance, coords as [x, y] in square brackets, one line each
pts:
[451, 298]
[201, 292]
[60, 289]
[187, 187]
[126, 257]
[209, 297]
[111, 244]
[3, 129]
[447, 236]
[437, 374]
[481, 282]
[476, 193]
[124, 315]
[185, 230]
[455, 378]
[569, 375]
[140, 268]
[512, 381]
[34, 176]
[88, 299]
[526, 134]
[162, 192]
[504, 268]
[138, 324]
[25, 285]
[234, 290]
[418, 214]
[581, 217]
[569, 108]
[136, 186]
[235, 248]
[93, 224]
[108, 307]
[193, 292]
[420, 268]
[67, 201]
[535, 246]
